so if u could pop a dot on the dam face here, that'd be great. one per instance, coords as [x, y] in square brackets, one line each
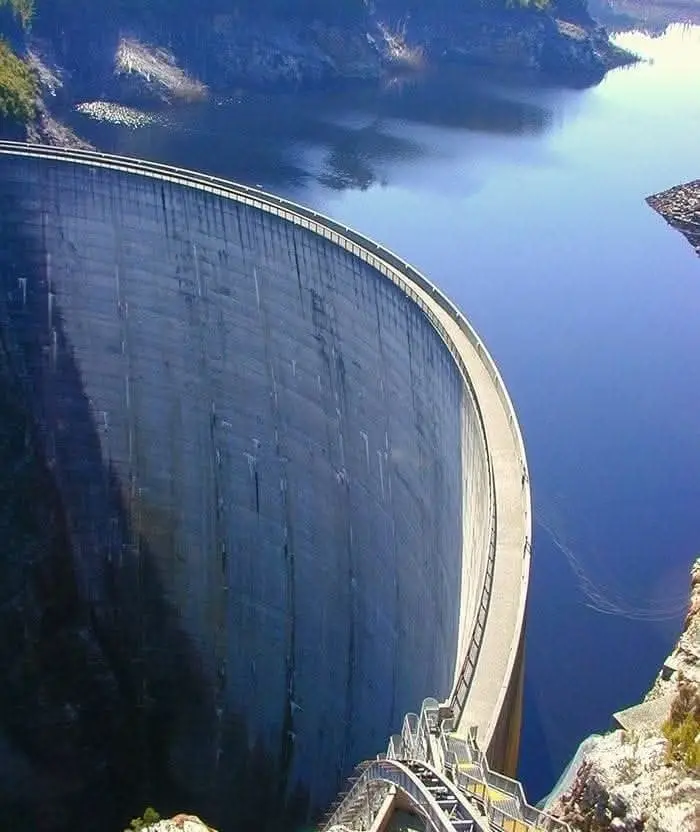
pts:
[246, 499]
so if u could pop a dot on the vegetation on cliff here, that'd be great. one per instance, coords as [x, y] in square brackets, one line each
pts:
[149, 818]
[23, 9]
[17, 86]
[220, 44]
[339, 10]
[17, 83]
[682, 728]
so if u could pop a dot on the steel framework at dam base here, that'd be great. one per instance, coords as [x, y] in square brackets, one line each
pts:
[442, 778]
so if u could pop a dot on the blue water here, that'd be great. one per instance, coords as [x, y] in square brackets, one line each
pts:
[526, 204]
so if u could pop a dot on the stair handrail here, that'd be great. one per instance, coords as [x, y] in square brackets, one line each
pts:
[396, 773]
[527, 813]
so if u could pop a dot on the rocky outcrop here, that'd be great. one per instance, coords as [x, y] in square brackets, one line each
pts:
[145, 62]
[571, 50]
[137, 64]
[625, 784]
[684, 661]
[45, 129]
[628, 780]
[680, 207]
[227, 50]
[158, 70]
[139, 61]
[181, 823]
[265, 53]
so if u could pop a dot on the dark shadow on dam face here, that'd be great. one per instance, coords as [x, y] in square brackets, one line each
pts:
[230, 500]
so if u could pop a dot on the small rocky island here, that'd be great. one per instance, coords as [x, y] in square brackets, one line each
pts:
[680, 207]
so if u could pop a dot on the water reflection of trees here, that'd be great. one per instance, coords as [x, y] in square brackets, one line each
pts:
[341, 138]
[356, 159]
[467, 99]
[357, 156]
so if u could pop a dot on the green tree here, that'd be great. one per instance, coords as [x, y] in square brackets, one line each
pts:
[17, 86]
[149, 817]
[682, 728]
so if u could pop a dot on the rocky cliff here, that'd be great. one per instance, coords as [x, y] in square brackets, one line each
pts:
[680, 207]
[243, 45]
[134, 58]
[178, 823]
[645, 777]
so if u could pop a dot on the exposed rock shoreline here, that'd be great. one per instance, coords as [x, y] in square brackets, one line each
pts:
[680, 207]
[231, 50]
[141, 66]
[627, 780]
[181, 823]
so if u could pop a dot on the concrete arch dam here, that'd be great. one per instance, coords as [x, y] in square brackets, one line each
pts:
[262, 491]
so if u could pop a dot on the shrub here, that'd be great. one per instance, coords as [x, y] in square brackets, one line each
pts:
[17, 86]
[628, 768]
[682, 728]
[149, 817]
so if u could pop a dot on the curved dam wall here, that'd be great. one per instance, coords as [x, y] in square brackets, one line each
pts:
[249, 499]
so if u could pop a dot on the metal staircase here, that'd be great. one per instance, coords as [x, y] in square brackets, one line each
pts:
[431, 796]
[450, 804]
[447, 780]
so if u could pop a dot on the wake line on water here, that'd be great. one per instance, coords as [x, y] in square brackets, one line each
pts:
[608, 602]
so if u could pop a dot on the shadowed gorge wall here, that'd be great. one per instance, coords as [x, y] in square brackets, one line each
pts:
[263, 464]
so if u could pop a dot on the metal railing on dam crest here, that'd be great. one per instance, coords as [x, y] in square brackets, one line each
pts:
[485, 692]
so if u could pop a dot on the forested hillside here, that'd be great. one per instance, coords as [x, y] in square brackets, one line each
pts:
[338, 11]
[17, 84]
[223, 43]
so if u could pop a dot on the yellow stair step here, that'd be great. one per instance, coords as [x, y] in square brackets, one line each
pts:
[497, 794]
